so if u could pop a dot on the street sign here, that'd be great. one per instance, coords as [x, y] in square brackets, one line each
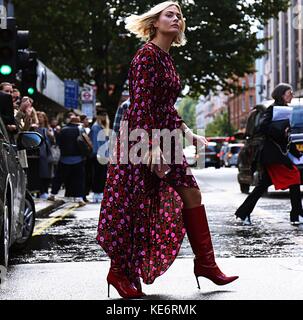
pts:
[87, 95]
[71, 93]
[88, 110]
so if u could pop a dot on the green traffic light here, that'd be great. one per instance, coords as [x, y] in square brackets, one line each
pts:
[6, 70]
[31, 91]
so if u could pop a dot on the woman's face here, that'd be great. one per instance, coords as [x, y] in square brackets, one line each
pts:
[287, 96]
[40, 118]
[26, 103]
[170, 21]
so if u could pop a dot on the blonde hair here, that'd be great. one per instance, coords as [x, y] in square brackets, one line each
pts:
[45, 118]
[142, 25]
[103, 120]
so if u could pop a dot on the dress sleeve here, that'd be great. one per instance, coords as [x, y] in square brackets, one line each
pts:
[143, 82]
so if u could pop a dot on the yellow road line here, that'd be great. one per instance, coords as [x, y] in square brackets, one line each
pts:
[41, 227]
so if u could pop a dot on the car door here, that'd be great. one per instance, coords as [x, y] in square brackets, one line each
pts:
[3, 170]
[17, 177]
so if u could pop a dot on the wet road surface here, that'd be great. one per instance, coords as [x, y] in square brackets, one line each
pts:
[73, 238]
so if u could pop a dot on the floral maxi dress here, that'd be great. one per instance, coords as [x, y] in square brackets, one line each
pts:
[141, 229]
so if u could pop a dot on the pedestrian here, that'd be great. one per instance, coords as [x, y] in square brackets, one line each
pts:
[57, 181]
[54, 124]
[99, 134]
[26, 117]
[141, 227]
[16, 100]
[85, 123]
[278, 169]
[7, 108]
[46, 165]
[70, 170]
[88, 164]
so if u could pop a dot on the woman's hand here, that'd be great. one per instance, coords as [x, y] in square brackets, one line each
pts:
[193, 138]
[157, 163]
[196, 139]
[199, 140]
[34, 126]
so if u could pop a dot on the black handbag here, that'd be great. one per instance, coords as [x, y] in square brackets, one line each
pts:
[84, 144]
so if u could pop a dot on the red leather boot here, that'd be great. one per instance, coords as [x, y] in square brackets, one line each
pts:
[198, 234]
[117, 278]
[137, 283]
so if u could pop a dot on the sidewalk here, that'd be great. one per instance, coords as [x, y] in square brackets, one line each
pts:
[259, 279]
[45, 207]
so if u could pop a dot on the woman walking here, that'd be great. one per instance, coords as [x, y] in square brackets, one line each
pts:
[277, 167]
[141, 226]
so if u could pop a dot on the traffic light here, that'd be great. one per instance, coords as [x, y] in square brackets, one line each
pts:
[8, 51]
[26, 64]
[17, 61]
[29, 73]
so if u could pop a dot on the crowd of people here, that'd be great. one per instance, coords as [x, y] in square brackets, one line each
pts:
[60, 162]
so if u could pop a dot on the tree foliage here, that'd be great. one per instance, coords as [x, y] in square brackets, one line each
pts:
[187, 111]
[220, 126]
[73, 36]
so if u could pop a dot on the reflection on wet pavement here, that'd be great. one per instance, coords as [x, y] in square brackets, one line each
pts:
[69, 240]
[270, 235]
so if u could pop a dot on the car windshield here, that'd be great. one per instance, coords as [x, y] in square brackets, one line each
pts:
[210, 149]
[235, 150]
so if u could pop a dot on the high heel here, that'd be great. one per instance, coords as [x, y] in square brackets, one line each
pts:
[198, 234]
[137, 283]
[120, 282]
[213, 273]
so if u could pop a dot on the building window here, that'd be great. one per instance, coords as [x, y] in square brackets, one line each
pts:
[243, 84]
[251, 82]
[243, 103]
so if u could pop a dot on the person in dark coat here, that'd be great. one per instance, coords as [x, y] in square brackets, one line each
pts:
[70, 169]
[7, 107]
[278, 170]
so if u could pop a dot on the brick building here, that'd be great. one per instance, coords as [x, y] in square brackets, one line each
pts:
[240, 105]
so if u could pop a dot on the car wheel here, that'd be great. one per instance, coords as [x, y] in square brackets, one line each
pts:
[244, 188]
[28, 222]
[4, 238]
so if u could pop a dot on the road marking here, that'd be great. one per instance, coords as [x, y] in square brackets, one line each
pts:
[41, 227]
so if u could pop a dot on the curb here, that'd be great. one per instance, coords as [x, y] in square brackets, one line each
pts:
[44, 212]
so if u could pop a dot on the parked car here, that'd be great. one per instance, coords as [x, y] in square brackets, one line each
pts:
[17, 208]
[230, 157]
[248, 166]
[211, 155]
